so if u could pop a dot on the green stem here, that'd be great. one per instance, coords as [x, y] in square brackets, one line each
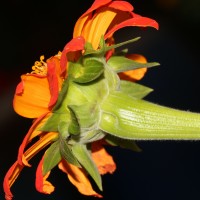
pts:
[126, 117]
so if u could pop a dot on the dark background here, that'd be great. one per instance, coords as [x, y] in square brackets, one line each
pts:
[165, 169]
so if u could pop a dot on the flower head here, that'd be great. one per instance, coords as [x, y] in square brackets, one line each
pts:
[65, 96]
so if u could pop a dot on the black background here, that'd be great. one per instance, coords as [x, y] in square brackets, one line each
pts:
[165, 169]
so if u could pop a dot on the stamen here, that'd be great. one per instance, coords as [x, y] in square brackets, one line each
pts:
[58, 55]
[40, 67]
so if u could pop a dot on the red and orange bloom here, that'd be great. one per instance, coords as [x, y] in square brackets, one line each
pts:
[37, 93]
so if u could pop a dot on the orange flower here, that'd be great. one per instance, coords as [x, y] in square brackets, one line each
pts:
[37, 94]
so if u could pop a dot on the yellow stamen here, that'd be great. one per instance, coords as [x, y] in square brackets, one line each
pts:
[40, 67]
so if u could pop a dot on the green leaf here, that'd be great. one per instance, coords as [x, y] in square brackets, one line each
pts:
[121, 64]
[134, 89]
[66, 152]
[127, 144]
[130, 118]
[83, 156]
[87, 71]
[51, 157]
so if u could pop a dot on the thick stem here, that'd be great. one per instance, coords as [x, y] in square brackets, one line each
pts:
[126, 117]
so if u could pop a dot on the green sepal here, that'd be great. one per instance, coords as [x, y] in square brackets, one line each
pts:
[52, 157]
[121, 64]
[103, 48]
[62, 94]
[74, 127]
[84, 157]
[135, 90]
[54, 120]
[86, 70]
[63, 129]
[86, 114]
[67, 153]
[136, 119]
[87, 136]
[124, 143]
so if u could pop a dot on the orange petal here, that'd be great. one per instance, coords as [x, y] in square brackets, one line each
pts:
[33, 132]
[102, 159]
[34, 97]
[99, 26]
[136, 74]
[39, 145]
[78, 178]
[41, 183]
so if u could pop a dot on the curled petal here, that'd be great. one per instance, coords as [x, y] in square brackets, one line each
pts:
[41, 183]
[102, 159]
[10, 178]
[78, 178]
[136, 21]
[16, 168]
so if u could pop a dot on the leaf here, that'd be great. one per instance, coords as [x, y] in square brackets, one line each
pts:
[83, 156]
[51, 157]
[66, 152]
[127, 144]
[136, 119]
[134, 89]
[121, 64]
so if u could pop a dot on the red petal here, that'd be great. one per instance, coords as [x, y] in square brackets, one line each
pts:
[97, 4]
[20, 88]
[76, 44]
[53, 83]
[121, 5]
[136, 21]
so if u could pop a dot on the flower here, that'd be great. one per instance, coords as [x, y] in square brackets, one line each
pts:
[42, 92]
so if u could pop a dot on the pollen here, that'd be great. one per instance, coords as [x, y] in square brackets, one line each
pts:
[40, 67]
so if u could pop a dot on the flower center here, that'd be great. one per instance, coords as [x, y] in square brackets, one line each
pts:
[40, 67]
